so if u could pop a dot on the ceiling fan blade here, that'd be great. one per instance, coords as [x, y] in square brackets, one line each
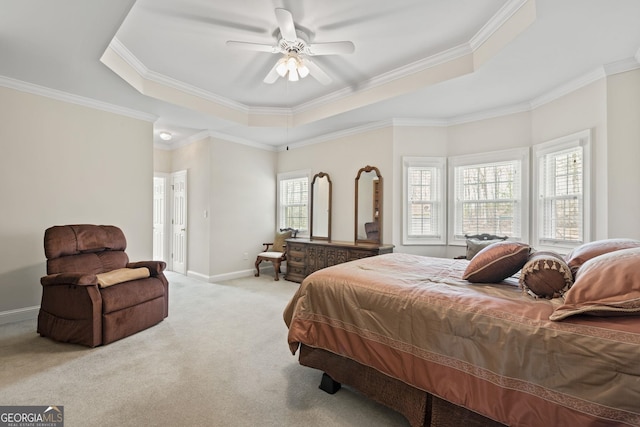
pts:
[272, 75]
[317, 72]
[287, 27]
[332, 48]
[256, 47]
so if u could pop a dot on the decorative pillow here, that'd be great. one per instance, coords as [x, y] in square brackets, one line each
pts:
[546, 275]
[476, 245]
[121, 275]
[279, 241]
[496, 262]
[583, 253]
[607, 285]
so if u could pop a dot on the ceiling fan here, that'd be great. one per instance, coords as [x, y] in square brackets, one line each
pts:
[295, 48]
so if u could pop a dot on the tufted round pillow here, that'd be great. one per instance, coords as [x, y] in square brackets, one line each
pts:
[546, 275]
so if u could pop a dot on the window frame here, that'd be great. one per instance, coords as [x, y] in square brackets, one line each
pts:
[578, 139]
[520, 155]
[440, 164]
[285, 176]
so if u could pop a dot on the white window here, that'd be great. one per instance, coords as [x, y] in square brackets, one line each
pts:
[561, 186]
[293, 201]
[489, 195]
[423, 197]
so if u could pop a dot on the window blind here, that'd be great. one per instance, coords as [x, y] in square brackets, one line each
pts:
[423, 210]
[294, 200]
[561, 196]
[488, 198]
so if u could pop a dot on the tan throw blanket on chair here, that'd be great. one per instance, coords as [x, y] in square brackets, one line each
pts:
[121, 275]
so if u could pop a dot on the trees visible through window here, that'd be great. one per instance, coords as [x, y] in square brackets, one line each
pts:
[294, 201]
[562, 187]
[423, 200]
[490, 196]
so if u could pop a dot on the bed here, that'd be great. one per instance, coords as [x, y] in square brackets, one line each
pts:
[411, 333]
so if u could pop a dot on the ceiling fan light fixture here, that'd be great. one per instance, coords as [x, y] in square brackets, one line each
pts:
[165, 136]
[293, 75]
[281, 68]
[303, 70]
[292, 64]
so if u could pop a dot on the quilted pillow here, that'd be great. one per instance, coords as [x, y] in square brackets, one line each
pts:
[607, 285]
[496, 262]
[583, 253]
[476, 245]
[279, 241]
[546, 275]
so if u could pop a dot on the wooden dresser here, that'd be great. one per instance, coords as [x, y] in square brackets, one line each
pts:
[305, 256]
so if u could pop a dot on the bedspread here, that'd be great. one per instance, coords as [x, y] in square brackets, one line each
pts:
[486, 347]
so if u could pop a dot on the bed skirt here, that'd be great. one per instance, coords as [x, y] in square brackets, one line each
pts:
[419, 407]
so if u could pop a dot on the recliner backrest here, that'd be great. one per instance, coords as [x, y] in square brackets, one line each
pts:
[84, 248]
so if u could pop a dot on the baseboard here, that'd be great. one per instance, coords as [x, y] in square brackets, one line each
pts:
[228, 276]
[197, 275]
[18, 315]
[235, 275]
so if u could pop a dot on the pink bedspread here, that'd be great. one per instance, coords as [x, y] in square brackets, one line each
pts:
[486, 347]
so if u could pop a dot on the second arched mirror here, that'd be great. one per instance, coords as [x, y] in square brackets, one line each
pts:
[320, 221]
[368, 206]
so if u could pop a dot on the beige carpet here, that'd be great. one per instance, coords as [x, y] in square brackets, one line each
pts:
[219, 359]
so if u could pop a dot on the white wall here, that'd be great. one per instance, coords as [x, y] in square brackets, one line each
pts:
[584, 108]
[413, 141]
[609, 107]
[235, 185]
[243, 205]
[194, 158]
[341, 159]
[63, 163]
[623, 154]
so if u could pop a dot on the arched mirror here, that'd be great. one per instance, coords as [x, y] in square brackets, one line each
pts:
[320, 221]
[368, 224]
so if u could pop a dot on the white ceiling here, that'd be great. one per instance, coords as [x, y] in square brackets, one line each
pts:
[167, 59]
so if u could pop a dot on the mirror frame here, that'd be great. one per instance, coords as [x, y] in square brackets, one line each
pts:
[320, 175]
[368, 169]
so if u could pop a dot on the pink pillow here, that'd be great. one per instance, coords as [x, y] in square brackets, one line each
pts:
[607, 285]
[496, 262]
[584, 253]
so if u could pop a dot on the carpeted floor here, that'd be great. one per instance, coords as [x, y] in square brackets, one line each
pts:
[220, 359]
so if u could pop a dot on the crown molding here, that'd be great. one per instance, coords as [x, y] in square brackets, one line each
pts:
[407, 122]
[211, 134]
[496, 21]
[388, 77]
[623, 66]
[74, 99]
[121, 50]
[368, 127]
[490, 114]
[568, 87]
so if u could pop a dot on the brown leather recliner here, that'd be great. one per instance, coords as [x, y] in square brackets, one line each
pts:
[75, 308]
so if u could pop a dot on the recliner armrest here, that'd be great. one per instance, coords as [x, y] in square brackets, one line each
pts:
[81, 279]
[155, 267]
